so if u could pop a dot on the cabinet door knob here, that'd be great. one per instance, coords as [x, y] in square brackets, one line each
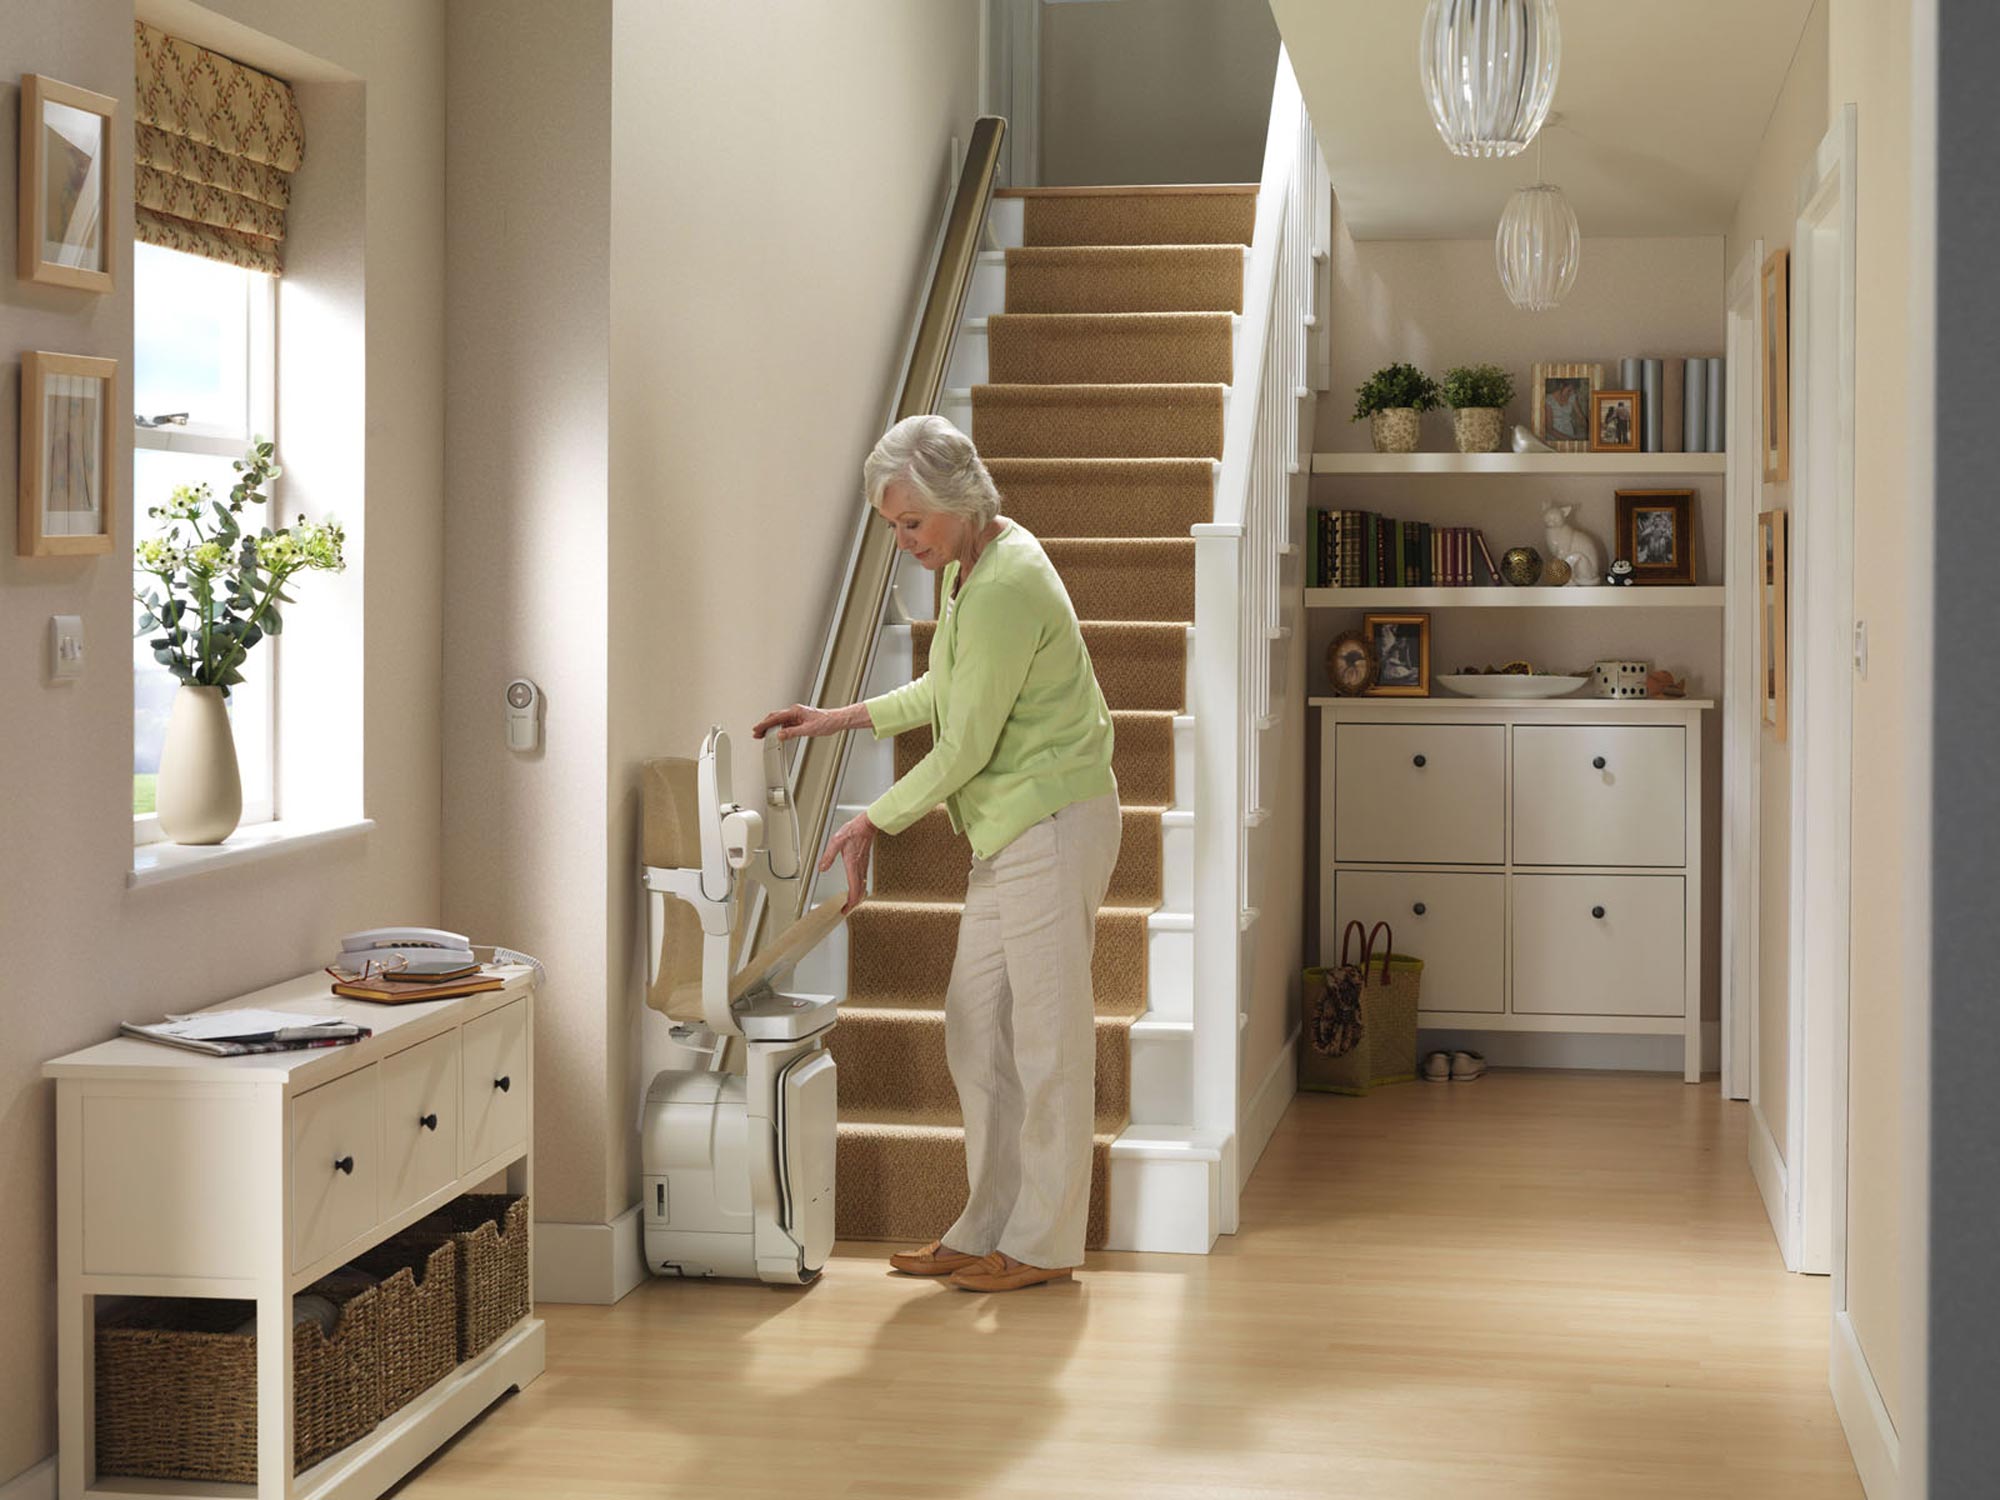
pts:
[1417, 761]
[1418, 908]
[429, 1122]
[1597, 912]
[344, 1164]
[503, 1083]
[1598, 762]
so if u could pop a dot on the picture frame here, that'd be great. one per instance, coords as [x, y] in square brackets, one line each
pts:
[1614, 421]
[1773, 599]
[68, 501]
[1402, 655]
[68, 166]
[1656, 534]
[1777, 366]
[1560, 411]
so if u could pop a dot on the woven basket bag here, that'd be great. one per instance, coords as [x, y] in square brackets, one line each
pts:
[1360, 1021]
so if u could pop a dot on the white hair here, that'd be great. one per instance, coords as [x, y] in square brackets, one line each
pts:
[937, 461]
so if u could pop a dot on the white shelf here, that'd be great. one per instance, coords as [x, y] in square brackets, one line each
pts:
[1657, 596]
[1580, 464]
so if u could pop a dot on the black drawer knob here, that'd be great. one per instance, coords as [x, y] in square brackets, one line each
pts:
[1417, 761]
[503, 1083]
[1597, 912]
[429, 1122]
[344, 1164]
[1598, 762]
[1418, 908]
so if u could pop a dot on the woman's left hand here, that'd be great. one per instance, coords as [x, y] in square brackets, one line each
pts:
[854, 843]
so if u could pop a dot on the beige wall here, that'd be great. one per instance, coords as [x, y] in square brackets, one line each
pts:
[1156, 90]
[82, 952]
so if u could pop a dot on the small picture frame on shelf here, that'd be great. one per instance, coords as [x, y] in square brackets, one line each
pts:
[1560, 410]
[1772, 540]
[1656, 534]
[1614, 421]
[1402, 655]
[66, 173]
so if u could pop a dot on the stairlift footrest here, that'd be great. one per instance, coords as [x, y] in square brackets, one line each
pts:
[766, 1015]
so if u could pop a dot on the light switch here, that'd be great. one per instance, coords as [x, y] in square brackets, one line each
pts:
[65, 648]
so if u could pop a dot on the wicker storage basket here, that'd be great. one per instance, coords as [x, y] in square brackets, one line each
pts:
[419, 1294]
[491, 1233]
[1385, 1050]
[177, 1388]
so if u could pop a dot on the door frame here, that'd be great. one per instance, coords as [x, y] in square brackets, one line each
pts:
[1742, 696]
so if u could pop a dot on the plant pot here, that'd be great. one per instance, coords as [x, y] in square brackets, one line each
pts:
[1477, 428]
[200, 798]
[1394, 430]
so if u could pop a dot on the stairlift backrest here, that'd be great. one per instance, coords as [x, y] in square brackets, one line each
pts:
[670, 838]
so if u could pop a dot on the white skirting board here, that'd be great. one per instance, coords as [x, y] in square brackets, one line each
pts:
[38, 1483]
[1268, 1105]
[1767, 1166]
[1871, 1437]
[590, 1263]
[1570, 1049]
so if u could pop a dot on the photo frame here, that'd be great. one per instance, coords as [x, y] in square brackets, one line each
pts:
[1777, 366]
[1656, 534]
[1402, 655]
[68, 447]
[67, 169]
[1773, 543]
[1614, 421]
[1560, 410]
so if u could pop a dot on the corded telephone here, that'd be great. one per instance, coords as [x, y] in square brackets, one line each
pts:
[424, 949]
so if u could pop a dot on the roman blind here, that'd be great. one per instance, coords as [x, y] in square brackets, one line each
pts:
[215, 144]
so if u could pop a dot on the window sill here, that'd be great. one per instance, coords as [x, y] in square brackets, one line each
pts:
[155, 864]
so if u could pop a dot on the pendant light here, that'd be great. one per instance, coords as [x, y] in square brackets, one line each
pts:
[1489, 71]
[1538, 246]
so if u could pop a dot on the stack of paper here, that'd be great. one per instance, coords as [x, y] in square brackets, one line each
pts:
[231, 1033]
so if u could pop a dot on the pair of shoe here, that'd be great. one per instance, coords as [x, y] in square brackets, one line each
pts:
[1453, 1067]
[975, 1273]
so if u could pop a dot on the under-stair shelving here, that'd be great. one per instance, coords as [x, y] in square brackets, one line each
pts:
[1576, 465]
[1607, 596]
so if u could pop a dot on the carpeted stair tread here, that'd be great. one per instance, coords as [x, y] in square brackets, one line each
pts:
[907, 1182]
[1126, 579]
[1096, 497]
[1140, 664]
[899, 954]
[928, 862]
[1224, 215]
[1142, 755]
[1108, 348]
[1099, 421]
[1125, 278]
[893, 1067]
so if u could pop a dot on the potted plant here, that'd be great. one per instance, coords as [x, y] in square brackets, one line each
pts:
[1477, 396]
[218, 589]
[1392, 399]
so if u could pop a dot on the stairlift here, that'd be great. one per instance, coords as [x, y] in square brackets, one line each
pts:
[737, 1153]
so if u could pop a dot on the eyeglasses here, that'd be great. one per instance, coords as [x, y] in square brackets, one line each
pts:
[374, 968]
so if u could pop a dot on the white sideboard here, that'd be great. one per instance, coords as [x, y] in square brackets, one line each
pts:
[183, 1175]
[1542, 857]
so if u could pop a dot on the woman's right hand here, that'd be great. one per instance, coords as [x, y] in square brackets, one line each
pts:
[800, 721]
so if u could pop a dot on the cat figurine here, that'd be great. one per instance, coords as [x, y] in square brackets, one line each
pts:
[1574, 546]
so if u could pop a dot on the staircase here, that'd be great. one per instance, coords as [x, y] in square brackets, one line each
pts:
[1094, 373]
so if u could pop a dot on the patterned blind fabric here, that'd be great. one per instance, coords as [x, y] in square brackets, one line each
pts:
[215, 146]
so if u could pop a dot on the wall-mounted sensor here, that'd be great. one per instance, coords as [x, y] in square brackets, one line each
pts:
[524, 715]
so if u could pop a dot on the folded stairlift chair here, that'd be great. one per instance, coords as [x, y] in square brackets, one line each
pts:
[737, 1151]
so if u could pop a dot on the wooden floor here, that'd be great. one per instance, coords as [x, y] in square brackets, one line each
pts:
[1535, 1285]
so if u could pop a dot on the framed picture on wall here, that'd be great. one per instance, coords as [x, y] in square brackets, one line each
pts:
[1773, 530]
[65, 180]
[67, 442]
[1656, 534]
[1402, 655]
[1560, 414]
[1614, 421]
[1777, 367]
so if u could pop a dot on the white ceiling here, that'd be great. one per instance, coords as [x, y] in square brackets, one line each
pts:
[1663, 103]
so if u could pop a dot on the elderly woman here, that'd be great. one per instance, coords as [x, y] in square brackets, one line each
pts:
[1022, 762]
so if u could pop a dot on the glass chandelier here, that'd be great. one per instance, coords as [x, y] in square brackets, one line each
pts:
[1489, 71]
[1537, 248]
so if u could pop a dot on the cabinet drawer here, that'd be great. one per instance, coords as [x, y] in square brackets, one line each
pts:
[1600, 794]
[1420, 793]
[495, 1049]
[421, 1105]
[336, 1164]
[1599, 945]
[1457, 924]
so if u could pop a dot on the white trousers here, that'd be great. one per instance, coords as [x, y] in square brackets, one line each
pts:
[1021, 1036]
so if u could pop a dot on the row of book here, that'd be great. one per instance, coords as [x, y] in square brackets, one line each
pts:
[1680, 403]
[1358, 549]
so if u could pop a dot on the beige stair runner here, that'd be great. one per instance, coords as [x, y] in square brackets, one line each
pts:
[1102, 422]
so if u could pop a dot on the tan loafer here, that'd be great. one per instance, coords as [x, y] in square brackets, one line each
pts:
[933, 1260]
[1003, 1273]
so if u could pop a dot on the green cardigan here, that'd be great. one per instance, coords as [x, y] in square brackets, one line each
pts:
[1020, 726]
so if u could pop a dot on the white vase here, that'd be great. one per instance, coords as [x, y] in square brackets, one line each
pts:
[200, 798]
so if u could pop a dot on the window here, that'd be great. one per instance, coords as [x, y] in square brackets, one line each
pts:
[204, 382]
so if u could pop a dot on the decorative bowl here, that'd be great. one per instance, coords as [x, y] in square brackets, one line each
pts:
[1510, 684]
